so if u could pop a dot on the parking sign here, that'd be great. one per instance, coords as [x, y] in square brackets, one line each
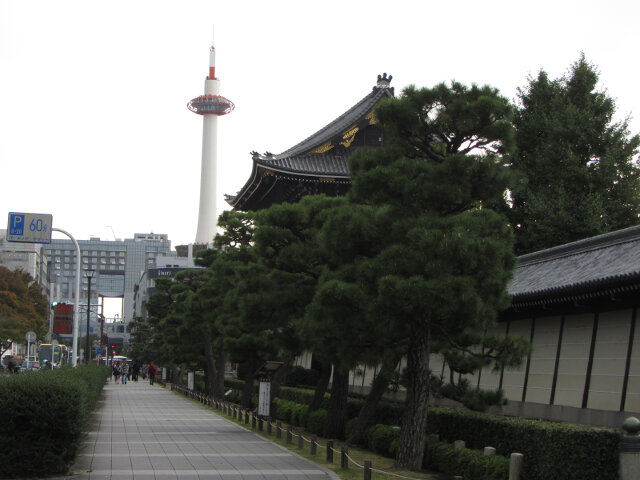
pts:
[29, 227]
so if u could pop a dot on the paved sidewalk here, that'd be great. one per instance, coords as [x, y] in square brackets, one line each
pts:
[147, 432]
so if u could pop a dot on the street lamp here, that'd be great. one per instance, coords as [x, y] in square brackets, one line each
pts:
[89, 274]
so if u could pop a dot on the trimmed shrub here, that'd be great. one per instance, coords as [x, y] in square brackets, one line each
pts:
[383, 439]
[552, 450]
[316, 421]
[47, 412]
[301, 376]
[465, 462]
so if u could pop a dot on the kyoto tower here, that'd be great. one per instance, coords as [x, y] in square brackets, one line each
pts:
[210, 106]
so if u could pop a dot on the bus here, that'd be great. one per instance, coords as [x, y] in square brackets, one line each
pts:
[57, 356]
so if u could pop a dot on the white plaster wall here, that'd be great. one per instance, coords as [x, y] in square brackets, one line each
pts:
[574, 357]
[609, 357]
[543, 359]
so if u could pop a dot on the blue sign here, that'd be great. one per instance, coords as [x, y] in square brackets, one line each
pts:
[99, 351]
[29, 227]
[16, 223]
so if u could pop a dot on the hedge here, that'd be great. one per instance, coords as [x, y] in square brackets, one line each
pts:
[43, 418]
[552, 450]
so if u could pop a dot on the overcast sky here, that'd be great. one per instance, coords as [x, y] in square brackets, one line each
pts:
[94, 127]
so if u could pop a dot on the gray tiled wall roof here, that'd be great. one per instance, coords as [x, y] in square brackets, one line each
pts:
[586, 264]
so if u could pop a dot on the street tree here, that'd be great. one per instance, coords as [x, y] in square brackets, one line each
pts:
[446, 258]
[23, 307]
[577, 168]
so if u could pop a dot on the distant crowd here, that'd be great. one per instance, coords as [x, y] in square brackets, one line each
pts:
[126, 370]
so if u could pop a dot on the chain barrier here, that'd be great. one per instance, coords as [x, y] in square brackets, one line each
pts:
[233, 410]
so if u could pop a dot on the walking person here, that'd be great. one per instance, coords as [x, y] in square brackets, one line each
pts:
[153, 371]
[125, 372]
[116, 372]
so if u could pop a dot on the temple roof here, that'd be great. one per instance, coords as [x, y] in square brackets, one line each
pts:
[321, 158]
[607, 264]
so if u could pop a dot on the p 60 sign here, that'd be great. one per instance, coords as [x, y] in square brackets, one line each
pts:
[29, 227]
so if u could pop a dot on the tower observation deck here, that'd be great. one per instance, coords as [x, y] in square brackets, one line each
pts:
[211, 105]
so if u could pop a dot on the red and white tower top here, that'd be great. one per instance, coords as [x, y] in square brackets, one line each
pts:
[211, 102]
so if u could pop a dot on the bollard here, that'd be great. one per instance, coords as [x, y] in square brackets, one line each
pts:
[260, 424]
[630, 450]
[330, 451]
[278, 429]
[235, 413]
[246, 417]
[289, 435]
[515, 466]
[367, 470]
[489, 451]
[254, 421]
[300, 439]
[269, 426]
[344, 459]
[314, 444]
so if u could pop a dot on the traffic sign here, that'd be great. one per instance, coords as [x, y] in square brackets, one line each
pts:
[99, 351]
[29, 227]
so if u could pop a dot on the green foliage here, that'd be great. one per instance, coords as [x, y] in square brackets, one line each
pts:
[383, 439]
[465, 462]
[552, 451]
[290, 412]
[315, 424]
[577, 176]
[301, 376]
[44, 415]
[23, 307]
[442, 267]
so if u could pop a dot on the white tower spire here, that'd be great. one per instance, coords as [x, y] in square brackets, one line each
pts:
[210, 105]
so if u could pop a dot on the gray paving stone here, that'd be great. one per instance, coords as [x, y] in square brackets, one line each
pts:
[143, 432]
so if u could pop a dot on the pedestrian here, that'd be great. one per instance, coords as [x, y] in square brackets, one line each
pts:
[135, 369]
[152, 371]
[125, 372]
[116, 372]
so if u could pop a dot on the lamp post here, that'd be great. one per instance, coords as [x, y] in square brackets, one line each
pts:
[87, 353]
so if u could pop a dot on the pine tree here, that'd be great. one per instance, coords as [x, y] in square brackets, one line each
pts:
[444, 263]
[577, 173]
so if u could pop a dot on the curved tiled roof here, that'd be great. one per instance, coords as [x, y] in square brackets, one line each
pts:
[315, 163]
[582, 266]
[323, 155]
[340, 124]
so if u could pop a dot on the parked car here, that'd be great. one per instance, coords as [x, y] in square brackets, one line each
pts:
[29, 365]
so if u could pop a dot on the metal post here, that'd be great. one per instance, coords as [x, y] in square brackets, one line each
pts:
[87, 353]
[76, 304]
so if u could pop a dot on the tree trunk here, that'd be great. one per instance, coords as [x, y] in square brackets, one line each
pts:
[218, 381]
[414, 419]
[278, 377]
[248, 369]
[321, 389]
[379, 386]
[335, 420]
[210, 370]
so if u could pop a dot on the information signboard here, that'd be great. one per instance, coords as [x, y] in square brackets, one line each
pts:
[29, 227]
[63, 319]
